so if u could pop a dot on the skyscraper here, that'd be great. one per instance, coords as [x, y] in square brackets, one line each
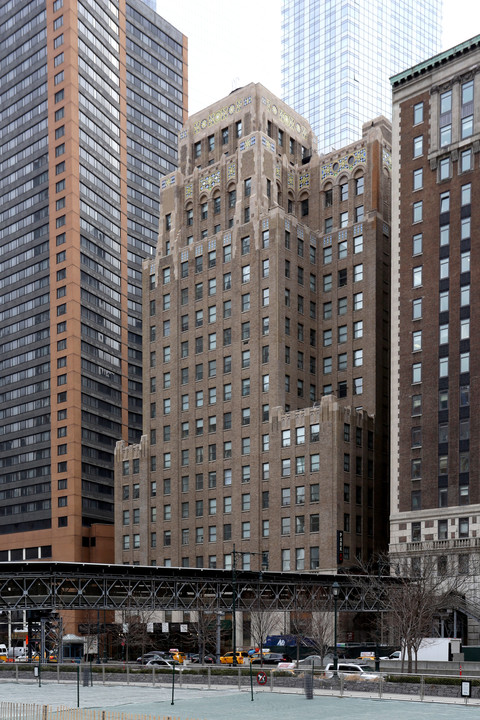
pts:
[265, 349]
[435, 428]
[92, 95]
[338, 55]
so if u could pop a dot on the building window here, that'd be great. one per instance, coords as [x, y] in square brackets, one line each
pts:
[445, 118]
[418, 211]
[444, 169]
[467, 110]
[418, 179]
[417, 276]
[466, 160]
[418, 113]
[418, 146]
[417, 372]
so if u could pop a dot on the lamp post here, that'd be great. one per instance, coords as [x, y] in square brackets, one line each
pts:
[234, 602]
[335, 591]
[219, 614]
[234, 599]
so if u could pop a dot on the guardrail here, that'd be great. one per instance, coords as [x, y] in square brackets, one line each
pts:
[419, 686]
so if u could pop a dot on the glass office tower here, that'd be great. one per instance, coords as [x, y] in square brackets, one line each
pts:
[338, 55]
[92, 95]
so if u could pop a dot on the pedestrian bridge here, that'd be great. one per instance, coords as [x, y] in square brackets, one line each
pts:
[82, 586]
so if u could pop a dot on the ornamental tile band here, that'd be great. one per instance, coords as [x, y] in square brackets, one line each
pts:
[166, 182]
[278, 172]
[231, 170]
[304, 180]
[265, 224]
[346, 163]
[387, 159]
[287, 119]
[268, 144]
[209, 181]
[188, 191]
[291, 181]
[183, 134]
[221, 114]
[245, 144]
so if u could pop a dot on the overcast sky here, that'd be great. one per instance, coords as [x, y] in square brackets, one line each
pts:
[234, 43]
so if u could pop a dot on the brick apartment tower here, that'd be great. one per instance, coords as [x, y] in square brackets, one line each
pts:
[266, 362]
[435, 502]
[92, 95]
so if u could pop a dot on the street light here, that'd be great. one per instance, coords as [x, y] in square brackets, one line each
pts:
[234, 599]
[335, 591]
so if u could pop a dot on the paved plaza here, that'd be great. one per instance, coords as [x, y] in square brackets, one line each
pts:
[204, 704]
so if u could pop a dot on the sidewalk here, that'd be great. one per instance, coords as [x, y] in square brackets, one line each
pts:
[203, 704]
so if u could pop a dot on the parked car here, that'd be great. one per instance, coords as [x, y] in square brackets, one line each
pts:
[242, 658]
[207, 659]
[310, 660]
[162, 663]
[285, 667]
[395, 655]
[25, 658]
[143, 659]
[177, 657]
[268, 658]
[346, 669]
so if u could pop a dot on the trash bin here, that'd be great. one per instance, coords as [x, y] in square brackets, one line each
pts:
[308, 683]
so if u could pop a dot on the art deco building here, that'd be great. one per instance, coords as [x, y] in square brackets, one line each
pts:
[435, 430]
[266, 321]
[92, 95]
[337, 58]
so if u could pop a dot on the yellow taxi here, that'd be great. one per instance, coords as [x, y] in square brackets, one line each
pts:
[242, 658]
[178, 656]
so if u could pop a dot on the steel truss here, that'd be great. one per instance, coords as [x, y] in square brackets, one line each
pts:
[82, 586]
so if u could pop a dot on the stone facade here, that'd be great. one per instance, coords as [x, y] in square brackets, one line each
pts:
[435, 506]
[266, 359]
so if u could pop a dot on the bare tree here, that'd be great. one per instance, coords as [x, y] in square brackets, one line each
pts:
[412, 593]
[135, 625]
[321, 630]
[204, 630]
[263, 623]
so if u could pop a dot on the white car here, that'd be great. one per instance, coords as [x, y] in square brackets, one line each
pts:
[161, 663]
[352, 670]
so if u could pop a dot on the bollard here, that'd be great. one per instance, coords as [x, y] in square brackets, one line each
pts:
[308, 685]
[86, 676]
